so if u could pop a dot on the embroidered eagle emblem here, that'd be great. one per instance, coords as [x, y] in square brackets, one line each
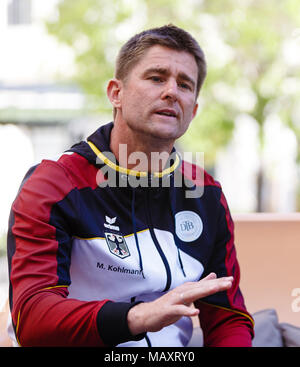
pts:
[117, 245]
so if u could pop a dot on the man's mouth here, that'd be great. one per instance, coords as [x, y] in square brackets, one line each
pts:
[167, 112]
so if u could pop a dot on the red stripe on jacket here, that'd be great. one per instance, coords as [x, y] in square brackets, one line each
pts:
[41, 313]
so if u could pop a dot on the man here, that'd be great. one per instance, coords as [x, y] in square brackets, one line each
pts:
[102, 253]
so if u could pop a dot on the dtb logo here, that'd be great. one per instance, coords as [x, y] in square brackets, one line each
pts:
[188, 226]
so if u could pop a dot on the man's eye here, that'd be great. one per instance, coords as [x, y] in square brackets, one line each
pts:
[156, 78]
[184, 86]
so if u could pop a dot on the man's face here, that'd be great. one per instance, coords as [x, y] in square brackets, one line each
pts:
[158, 97]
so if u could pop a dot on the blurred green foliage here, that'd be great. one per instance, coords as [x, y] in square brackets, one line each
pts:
[243, 41]
[252, 49]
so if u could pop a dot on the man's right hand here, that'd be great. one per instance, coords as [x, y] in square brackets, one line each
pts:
[169, 308]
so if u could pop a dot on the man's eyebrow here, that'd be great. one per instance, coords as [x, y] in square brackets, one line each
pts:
[163, 71]
[158, 70]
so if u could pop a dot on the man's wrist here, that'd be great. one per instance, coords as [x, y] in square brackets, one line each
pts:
[136, 319]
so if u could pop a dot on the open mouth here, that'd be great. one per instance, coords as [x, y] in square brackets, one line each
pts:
[168, 113]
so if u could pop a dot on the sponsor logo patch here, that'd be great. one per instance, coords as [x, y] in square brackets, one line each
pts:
[189, 225]
[117, 245]
[110, 223]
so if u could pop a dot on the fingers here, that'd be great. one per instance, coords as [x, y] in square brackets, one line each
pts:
[191, 291]
[182, 310]
[213, 286]
[167, 309]
[210, 276]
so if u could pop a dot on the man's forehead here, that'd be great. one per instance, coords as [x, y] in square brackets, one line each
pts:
[163, 57]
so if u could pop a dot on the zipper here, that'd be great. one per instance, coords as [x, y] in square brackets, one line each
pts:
[157, 245]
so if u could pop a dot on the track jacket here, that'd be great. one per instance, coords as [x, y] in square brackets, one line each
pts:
[82, 253]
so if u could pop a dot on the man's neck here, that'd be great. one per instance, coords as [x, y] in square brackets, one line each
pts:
[134, 150]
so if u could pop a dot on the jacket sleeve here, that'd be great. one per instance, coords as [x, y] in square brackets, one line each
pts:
[224, 318]
[39, 255]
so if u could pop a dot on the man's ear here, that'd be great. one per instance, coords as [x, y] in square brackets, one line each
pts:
[113, 92]
[195, 109]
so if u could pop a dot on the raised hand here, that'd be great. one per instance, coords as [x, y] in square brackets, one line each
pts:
[167, 309]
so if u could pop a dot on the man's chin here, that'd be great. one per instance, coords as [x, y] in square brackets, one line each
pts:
[164, 133]
[160, 130]
[164, 129]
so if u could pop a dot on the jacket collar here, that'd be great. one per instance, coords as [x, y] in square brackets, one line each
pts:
[98, 142]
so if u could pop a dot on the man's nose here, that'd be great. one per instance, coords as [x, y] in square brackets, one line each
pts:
[170, 90]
